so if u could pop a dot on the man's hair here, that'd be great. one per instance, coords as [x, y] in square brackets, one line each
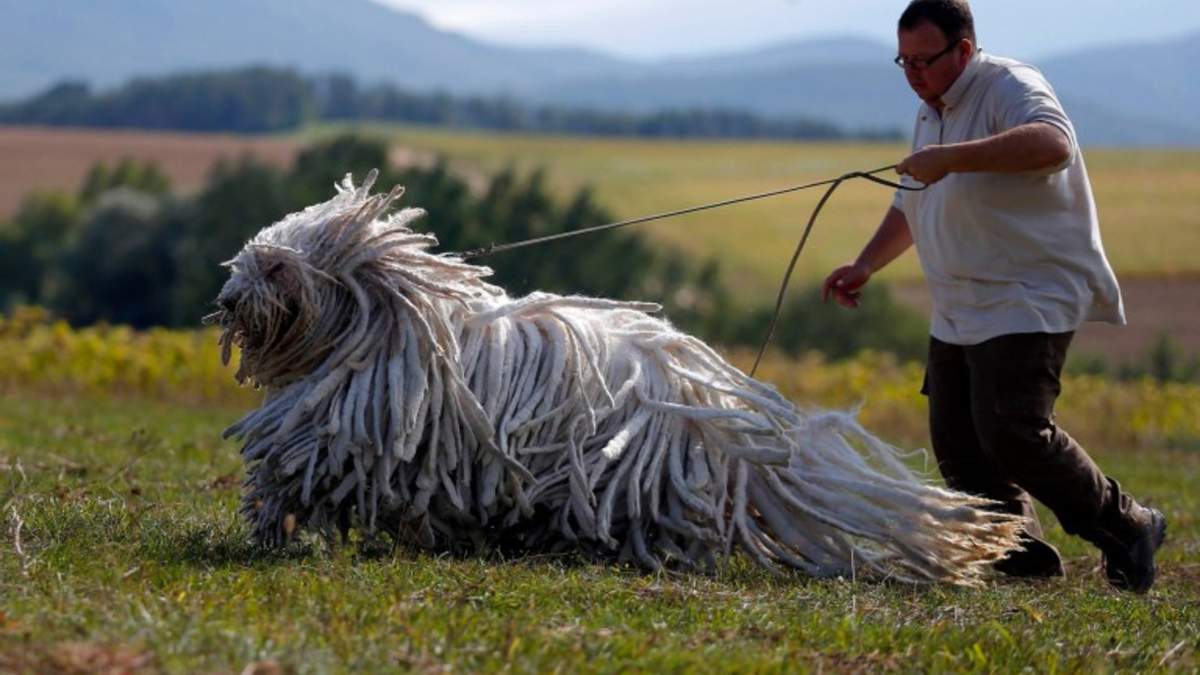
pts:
[952, 17]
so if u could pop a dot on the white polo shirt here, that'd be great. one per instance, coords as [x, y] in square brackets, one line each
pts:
[1007, 253]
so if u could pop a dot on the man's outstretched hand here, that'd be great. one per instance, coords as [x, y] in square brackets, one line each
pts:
[845, 284]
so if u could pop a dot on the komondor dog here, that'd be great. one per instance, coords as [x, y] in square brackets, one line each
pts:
[404, 394]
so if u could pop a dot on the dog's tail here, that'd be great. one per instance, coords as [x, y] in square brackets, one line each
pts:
[706, 457]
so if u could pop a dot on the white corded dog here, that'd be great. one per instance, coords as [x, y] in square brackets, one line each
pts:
[405, 394]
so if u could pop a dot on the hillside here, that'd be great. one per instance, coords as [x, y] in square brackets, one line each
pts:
[860, 88]
[1131, 94]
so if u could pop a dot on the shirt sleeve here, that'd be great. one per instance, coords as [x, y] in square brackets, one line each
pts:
[1026, 97]
[898, 196]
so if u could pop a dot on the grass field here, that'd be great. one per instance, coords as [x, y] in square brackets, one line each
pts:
[129, 549]
[121, 547]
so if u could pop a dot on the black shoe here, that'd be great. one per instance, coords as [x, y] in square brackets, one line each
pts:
[1129, 561]
[1038, 560]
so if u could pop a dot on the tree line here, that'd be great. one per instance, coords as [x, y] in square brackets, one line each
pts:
[125, 249]
[263, 99]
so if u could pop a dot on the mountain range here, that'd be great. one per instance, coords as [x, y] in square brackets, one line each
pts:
[1131, 94]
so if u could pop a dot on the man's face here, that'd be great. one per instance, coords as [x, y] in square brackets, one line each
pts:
[926, 40]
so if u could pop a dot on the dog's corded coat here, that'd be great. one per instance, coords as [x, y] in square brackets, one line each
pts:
[406, 394]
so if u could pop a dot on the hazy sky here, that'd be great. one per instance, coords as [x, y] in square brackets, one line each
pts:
[654, 28]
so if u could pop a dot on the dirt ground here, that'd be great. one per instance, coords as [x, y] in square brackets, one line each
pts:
[1153, 306]
[41, 158]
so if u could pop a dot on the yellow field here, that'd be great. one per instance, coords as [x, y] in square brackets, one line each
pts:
[39, 356]
[1147, 198]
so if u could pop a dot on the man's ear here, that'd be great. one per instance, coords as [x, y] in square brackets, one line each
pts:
[966, 49]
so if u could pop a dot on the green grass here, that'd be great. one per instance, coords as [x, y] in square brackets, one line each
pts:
[1146, 198]
[130, 548]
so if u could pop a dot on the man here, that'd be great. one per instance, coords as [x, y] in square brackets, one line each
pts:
[1009, 242]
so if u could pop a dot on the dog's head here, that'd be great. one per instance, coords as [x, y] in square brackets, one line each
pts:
[299, 288]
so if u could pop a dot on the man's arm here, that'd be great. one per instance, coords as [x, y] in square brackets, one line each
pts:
[891, 239]
[1030, 147]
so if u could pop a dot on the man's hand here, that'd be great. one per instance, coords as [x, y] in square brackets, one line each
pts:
[845, 283]
[927, 165]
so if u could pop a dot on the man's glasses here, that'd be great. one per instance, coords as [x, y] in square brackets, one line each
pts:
[919, 63]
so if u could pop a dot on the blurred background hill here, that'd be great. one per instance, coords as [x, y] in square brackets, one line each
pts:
[1141, 92]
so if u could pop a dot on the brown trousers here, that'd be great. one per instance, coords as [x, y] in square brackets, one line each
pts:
[991, 419]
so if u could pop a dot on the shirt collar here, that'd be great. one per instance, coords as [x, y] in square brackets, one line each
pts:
[957, 91]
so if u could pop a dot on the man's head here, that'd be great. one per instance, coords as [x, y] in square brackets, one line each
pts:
[936, 41]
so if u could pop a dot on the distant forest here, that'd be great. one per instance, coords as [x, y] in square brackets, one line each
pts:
[262, 99]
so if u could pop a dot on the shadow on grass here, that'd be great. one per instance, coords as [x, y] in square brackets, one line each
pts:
[217, 545]
[214, 546]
